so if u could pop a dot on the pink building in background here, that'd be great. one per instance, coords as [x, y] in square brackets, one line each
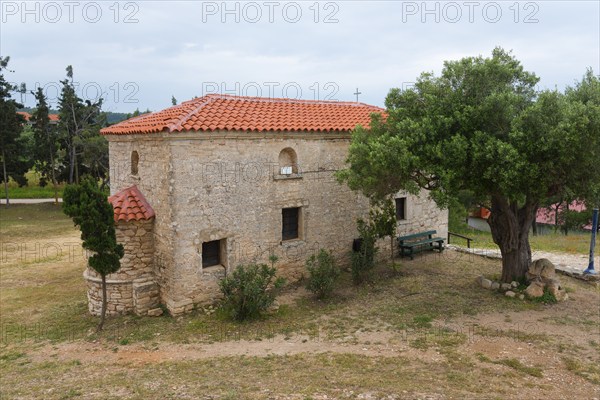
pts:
[548, 215]
[545, 216]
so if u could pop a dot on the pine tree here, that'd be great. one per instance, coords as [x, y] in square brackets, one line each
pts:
[76, 117]
[11, 126]
[89, 208]
[45, 141]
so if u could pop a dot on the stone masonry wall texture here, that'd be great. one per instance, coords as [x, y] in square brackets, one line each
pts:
[228, 187]
[132, 288]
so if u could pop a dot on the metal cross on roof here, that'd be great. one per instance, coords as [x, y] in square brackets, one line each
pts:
[356, 94]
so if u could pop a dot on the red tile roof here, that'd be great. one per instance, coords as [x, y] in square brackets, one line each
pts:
[52, 117]
[25, 114]
[131, 205]
[216, 112]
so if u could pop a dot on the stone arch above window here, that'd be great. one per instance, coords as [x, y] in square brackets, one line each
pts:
[288, 161]
[135, 159]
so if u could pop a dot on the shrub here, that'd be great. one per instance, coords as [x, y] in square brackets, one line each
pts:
[571, 220]
[546, 298]
[322, 274]
[363, 260]
[250, 290]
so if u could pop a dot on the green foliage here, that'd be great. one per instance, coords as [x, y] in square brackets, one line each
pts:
[250, 290]
[113, 118]
[13, 145]
[383, 218]
[89, 208]
[45, 141]
[422, 321]
[323, 273]
[273, 259]
[383, 222]
[518, 365]
[60, 152]
[457, 216]
[21, 162]
[546, 298]
[79, 123]
[363, 260]
[94, 151]
[570, 220]
[482, 127]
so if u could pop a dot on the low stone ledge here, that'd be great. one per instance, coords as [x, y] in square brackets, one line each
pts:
[94, 279]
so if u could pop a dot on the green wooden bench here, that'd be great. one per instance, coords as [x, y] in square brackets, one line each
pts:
[410, 244]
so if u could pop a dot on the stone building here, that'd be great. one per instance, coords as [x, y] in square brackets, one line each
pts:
[231, 180]
[133, 288]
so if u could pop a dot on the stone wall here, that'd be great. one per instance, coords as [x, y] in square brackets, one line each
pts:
[228, 187]
[133, 288]
[154, 172]
[422, 214]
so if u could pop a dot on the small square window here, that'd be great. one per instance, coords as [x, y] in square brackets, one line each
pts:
[401, 208]
[290, 223]
[211, 253]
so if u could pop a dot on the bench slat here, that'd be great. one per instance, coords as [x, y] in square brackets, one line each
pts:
[417, 242]
[426, 241]
[417, 235]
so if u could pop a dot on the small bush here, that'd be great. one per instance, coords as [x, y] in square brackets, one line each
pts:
[322, 274]
[250, 290]
[363, 260]
[546, 298]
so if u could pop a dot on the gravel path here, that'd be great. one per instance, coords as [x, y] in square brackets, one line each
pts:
[570, 263]
[29, 201]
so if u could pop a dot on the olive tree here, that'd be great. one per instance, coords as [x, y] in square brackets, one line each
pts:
[482, 126]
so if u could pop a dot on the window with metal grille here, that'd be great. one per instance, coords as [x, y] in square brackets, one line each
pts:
[290, 223]
[211, 253]
[400, 208]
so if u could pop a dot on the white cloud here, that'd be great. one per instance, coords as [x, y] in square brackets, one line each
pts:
[177, 48]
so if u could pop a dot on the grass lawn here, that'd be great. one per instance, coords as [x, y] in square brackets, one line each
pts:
[573, 243]
[425, 332]
[33, 190]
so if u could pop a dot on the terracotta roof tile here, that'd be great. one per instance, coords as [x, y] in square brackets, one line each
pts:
[236, 113]
[27, 116]
[131, 205]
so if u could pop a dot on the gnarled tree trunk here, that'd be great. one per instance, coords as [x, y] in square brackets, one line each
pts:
[510, 226]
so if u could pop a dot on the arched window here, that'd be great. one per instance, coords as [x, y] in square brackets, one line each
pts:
[288, 161]
[135, 159]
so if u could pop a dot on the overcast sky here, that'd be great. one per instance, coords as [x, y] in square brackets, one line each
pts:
[140, 53]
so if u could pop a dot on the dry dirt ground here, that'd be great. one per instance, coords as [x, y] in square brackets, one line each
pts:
[428, 332]
[552, 352]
